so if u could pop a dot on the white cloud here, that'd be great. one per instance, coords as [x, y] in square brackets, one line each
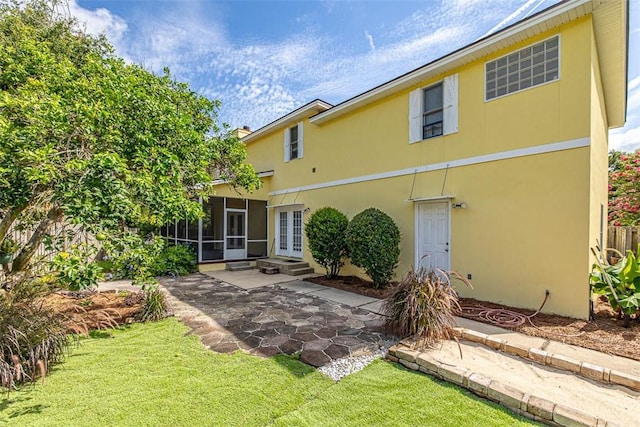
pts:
[259, 82]
[99, 21]
[369, 38]
[633, 84]
[626, 139]
[516, 15]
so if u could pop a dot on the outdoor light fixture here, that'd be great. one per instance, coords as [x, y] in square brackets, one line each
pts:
[462, 205]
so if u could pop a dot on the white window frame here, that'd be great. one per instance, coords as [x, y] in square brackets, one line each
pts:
[288, 142]
[449, 109]
[288, 249]
[426, 113]
[530, 46]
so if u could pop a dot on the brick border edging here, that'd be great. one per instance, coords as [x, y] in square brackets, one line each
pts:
[585, 369]
[531, 406]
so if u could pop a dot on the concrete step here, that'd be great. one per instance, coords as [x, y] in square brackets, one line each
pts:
[590, 364]
[541, 392]
[238, 266]
[290, 267]
[550, 381]
[300, 271]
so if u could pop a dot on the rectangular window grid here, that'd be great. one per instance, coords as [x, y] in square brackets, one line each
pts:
[432, 112]
[528, 67]
[293, 147]
[297, 231]
[283, 231]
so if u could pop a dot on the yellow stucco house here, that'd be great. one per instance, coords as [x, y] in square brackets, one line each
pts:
[492, 160]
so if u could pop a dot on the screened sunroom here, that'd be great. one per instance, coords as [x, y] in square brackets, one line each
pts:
[231, 229]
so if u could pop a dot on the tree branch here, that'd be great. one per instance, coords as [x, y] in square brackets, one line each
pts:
[22, 260]
[9, 218]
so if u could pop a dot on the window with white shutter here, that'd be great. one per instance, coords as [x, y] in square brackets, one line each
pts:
[293, 142]
[433, 111]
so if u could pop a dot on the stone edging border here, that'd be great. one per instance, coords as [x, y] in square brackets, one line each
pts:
[588, 370]
[531, 406]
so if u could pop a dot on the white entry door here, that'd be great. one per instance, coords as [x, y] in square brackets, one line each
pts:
[289, 231]
[236, 236]
[432, 235]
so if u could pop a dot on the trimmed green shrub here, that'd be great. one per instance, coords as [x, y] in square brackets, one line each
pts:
[177, 260]
[326, 235]
[373, 240]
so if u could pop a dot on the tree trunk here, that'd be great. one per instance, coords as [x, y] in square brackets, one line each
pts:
[22, 260]
[11, 215]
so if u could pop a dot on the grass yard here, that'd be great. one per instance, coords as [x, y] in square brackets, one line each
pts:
[153, 375]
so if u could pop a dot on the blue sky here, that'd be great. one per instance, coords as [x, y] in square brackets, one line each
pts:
[263, 59]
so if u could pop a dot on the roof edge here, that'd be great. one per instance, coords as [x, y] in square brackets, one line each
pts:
[436, 65]
[314, 107]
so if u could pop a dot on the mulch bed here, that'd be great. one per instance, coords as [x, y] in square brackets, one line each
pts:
[96, 310]
[354, 284]
[605, 333]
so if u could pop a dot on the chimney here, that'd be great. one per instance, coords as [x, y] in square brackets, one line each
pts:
[242, 132]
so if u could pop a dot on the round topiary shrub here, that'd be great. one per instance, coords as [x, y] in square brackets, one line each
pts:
[325, 233]
[373, 240]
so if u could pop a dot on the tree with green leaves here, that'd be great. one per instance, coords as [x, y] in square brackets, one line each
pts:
[624, 188]
[92, 140]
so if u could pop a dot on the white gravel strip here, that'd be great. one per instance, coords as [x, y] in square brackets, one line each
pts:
[340, 368]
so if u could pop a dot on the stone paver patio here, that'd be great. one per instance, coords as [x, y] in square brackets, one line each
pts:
[273, 319]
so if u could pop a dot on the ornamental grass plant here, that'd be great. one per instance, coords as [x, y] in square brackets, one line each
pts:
[32, 337]
[423, 306]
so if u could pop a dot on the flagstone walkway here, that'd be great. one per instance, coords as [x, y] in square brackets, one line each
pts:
[274, 319]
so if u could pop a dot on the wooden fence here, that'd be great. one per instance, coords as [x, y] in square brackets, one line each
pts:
[69, 235]
[623, 238]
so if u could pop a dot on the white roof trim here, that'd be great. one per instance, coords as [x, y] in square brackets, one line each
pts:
[265, 174]
[259, 174]
[569, 11]
[285, 205]
[310, 109]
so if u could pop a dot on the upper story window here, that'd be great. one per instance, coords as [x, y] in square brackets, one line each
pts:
[528, 67]
[432, 115]
[293, 142]
[433, 111]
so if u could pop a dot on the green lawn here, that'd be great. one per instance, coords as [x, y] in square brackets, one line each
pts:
[153, 375]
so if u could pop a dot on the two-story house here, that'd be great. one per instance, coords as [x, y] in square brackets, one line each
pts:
[492, 160]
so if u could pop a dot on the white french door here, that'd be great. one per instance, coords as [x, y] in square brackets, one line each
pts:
[432, 235]
[289, 231]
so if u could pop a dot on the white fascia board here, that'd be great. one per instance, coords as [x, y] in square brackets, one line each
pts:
[568, 11]
[265, 174]
[285, 205]
[301, 113]
[259, 174]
